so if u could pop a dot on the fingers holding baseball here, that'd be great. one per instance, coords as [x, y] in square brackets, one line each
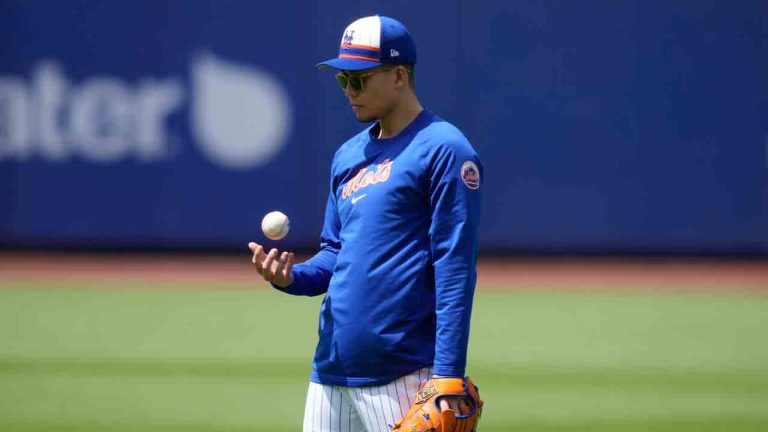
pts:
[282, 270]
[273, 266]
[258, 255]
[279, 270]
[268, 265]
[278, 267]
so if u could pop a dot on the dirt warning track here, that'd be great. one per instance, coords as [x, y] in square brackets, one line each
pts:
[589, 274]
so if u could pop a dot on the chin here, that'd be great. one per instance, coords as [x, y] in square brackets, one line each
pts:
[363, 118]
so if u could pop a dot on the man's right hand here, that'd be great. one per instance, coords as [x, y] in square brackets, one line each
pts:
[274, 267]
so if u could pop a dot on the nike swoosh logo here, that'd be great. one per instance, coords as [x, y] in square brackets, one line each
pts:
[358, 198]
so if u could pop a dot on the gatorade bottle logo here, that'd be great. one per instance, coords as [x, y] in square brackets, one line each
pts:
[240, 115]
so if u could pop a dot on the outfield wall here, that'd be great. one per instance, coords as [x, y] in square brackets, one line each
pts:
[628, 126]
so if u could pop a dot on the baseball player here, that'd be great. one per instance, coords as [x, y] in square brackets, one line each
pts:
[397, 257]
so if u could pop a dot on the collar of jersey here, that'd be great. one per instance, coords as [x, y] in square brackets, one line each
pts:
[412, 126]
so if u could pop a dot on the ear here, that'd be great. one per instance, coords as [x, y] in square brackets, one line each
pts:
[401, 76]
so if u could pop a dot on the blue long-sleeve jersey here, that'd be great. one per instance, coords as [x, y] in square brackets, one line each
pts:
[399, 248]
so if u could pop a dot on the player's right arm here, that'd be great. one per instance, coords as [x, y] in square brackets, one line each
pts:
[277, 271]
[310, 278]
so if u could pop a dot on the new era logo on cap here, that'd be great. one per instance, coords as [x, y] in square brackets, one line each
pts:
[373, 41]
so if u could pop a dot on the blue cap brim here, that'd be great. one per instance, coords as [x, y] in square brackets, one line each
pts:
[347, 64]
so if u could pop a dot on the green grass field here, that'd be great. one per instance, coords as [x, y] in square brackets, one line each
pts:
[85, 358]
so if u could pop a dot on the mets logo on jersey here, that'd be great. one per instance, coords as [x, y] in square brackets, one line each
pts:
[366, 177]
[470, 174]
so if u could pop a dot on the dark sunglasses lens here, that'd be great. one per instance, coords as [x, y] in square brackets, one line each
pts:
[356, 83]
[342, 80]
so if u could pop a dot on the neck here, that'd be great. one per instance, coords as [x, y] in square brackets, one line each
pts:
[400, 117]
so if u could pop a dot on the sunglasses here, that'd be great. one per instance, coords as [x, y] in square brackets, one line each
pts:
[357, 81]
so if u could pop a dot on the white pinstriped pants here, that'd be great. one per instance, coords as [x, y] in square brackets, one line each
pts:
[361, 409]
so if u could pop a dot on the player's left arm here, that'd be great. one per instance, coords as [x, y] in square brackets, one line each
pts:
[455, 174]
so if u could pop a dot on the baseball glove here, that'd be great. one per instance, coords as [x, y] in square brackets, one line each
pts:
[425, 414]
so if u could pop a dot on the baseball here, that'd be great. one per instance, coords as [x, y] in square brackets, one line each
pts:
[275, 225]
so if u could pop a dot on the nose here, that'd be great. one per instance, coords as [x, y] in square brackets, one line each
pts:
[350, 92]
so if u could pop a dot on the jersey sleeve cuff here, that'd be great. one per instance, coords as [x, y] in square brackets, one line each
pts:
[447, 372]
[436, 376]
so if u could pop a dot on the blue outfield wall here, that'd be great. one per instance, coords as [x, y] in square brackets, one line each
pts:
[628, 126]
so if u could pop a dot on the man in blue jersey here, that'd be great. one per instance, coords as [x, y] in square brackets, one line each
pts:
[398, 247]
